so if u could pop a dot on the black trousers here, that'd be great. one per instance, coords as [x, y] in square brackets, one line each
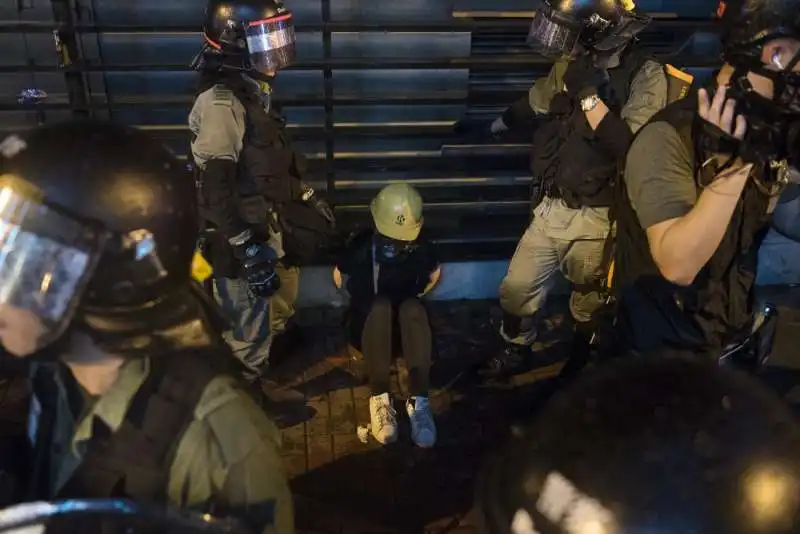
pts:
[382, 323]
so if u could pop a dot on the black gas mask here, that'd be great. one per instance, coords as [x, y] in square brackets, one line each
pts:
[388, 250]
[772, 140]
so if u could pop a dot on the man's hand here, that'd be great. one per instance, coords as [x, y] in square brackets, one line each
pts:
[725, 127]
[583, 78]
[720, 112]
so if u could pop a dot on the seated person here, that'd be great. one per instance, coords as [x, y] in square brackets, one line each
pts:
[389, 267]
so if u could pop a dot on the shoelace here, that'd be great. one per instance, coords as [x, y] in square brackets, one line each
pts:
[384, 415]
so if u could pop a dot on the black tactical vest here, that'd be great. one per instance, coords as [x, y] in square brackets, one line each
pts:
[564, 156]
[134, 462]
[717, 308]
[270, 174]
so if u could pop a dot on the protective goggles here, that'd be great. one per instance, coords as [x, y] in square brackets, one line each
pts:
[271, 42]
[46, 259]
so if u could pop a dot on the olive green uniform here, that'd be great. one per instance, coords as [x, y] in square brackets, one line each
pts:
[230, 450]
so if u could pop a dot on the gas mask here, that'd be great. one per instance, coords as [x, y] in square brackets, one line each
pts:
[772, 141]
[388, 250]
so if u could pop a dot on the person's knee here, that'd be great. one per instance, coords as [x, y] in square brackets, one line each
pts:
[412, 312]
[517, 296]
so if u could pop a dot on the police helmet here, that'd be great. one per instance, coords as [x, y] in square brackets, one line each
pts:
[98, 223]
[672, 446]
[252, 35]
[603, 26]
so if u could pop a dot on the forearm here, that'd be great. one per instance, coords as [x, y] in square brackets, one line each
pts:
[519, 113]
[218, 183]
[687, 245]
[612, 132]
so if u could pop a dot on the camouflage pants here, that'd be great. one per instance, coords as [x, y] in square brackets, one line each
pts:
[256, 321]
[559, 240]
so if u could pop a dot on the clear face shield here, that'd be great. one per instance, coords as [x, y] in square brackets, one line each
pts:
[111, 516]
[46, 262]
[271, 43]
[553, 35]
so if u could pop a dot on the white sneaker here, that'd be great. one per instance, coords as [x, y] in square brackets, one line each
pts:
[383, 419]
[423, 428]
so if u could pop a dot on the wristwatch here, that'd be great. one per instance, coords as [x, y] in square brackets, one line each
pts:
[590, 102]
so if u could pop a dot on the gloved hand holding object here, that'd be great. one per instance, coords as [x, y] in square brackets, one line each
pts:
[318, 203]
[584, 78]
[258, 263]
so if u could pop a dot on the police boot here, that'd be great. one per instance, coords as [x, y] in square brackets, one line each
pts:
[515, 359]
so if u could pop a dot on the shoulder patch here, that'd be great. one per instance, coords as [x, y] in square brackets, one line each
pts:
[222, 96]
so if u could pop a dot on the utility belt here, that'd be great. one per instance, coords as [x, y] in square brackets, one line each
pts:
[548, 188]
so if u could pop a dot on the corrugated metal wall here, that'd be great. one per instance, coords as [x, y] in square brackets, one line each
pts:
[373, 97]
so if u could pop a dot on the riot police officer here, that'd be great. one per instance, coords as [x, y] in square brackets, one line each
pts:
[132, 395]
[691, 221]
[671, 445]
[261, 219]
[600, 90]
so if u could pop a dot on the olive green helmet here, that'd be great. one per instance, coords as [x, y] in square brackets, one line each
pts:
[397, 212]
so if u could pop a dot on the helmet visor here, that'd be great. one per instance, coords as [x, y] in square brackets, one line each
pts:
[46, 261]
[551, 36]
[271, 43]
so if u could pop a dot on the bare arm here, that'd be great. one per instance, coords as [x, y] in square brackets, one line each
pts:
[434, 279]
[682, 246]
[683, 232]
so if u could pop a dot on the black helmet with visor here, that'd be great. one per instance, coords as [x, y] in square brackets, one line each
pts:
[602, 26]
[255, 36]
[98, 226]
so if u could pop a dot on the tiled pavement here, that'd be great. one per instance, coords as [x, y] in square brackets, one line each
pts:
[344, 486]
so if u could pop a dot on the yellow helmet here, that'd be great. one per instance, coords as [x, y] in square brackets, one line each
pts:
[397, 212]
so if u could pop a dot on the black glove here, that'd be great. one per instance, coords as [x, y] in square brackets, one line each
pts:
[258, 263]
[583, 78]
[318, 203]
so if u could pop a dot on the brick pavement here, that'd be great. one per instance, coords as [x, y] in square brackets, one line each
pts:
[344, 486]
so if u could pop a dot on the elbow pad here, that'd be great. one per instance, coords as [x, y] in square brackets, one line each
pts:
[218, 186]
[615, 134]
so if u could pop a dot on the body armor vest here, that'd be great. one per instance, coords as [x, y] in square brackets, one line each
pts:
[717, 308]
[269, 176]
[564, 158]
[134, 462]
